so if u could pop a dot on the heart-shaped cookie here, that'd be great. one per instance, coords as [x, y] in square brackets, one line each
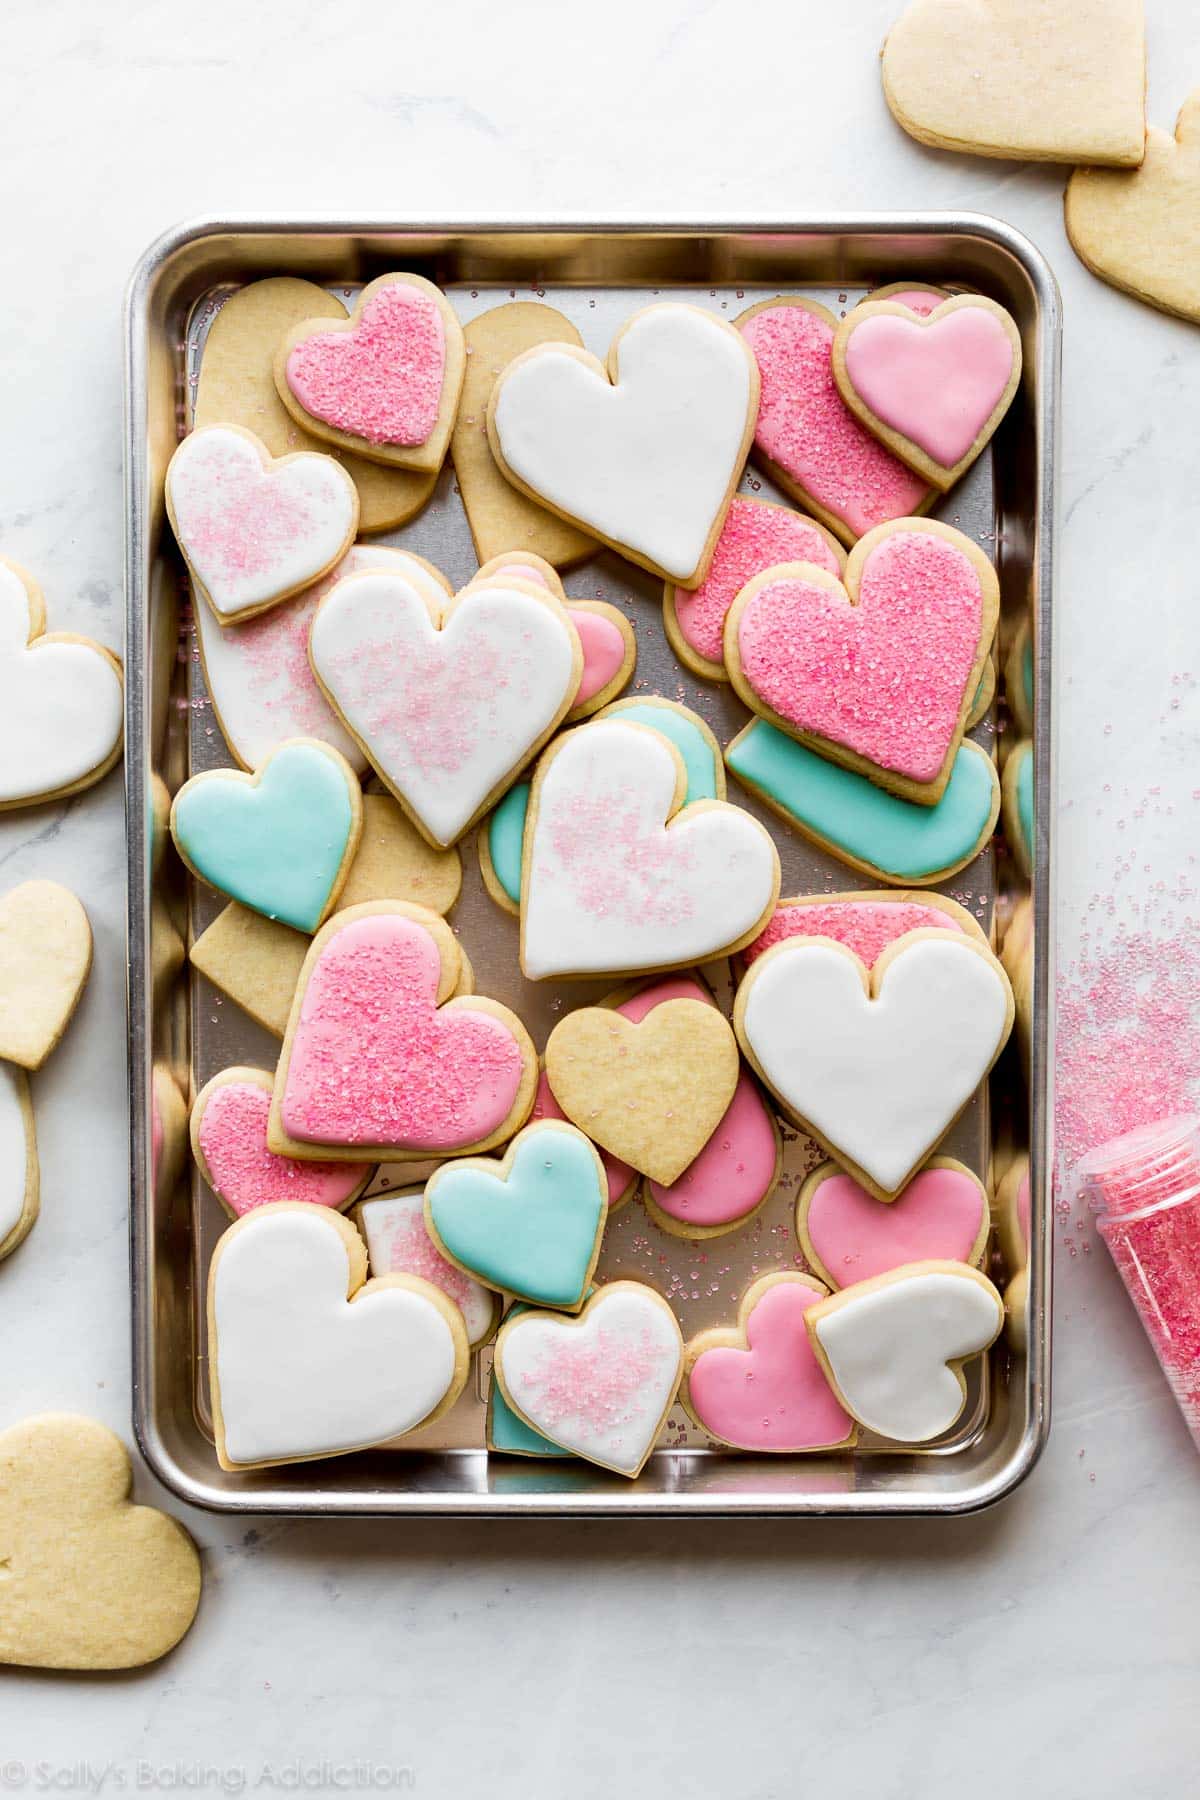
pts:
[644, 453]
[1027, 79]
[307, 1358]
[385, 382]
[756, 535]
[62, 701]
[529, 1223]
[255, 529]
[398, 1243]
[229, 1143]
[600, 1385]
[447, 702]
[759, 1386]
[616, 878]
[807, 438]
[878, 674]
[606, 637]
[876, 1065]
[894, 1347]
[380, 1062]
[651, 1091]
[19, 1177]
[90, 1580]
[866, 923]
[280, 841]
[1141, 232]
[932, 388]
[45, 959]
[620, 1178]
[847, 1235]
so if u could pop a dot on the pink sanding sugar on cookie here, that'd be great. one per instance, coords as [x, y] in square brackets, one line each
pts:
[884, 678]
[233, 1139]
[236, 517]
[597, 1379]
[806, 428]
[617, 867]
[373, 1062]
[618, 1173]
[754, 537]
[382, 381]
[411, 1251]
[865, 926]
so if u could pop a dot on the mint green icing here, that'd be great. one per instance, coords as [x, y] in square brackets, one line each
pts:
[1027, 674]
[506, 1430]
[903, 841]
[276, 846]
[691, 743]
[1025, 799]
[506, 836]
[534, 1233]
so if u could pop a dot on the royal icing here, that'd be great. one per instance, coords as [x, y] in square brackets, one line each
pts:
[773, 1394]
[374, 1061]
[600, 1385]
[254, 531]
[940, 1215]
[61, 704]
[937, 384]
[921, 301]
[808, 431]
[603, 652]
[609, 886]
[258, 672]
[903, 840]
[507, 1432]
[398, 1243]
[382, 379]
[278, 842]
[445, 715]
[531, 1225]
[618, 1175]
[647, 460]
[888, 1349]
[232, 1137]
[879, 1078]
[302, 1371]
[506, 839]
[15, 1150]
[701, 764]
[885, 677]
[754, 537]
[865, 926]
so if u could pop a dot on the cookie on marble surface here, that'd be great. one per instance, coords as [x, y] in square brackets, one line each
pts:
[45, 960]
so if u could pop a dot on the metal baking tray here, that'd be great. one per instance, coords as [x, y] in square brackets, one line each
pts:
[596, 274]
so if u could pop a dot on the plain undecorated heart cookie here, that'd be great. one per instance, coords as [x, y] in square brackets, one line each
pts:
[62, 701]
[876, 1065]
[644, 453]
[90, 1580]
[383, 383]
[309, 1359]
[758, 1385]
[19, 1177]
[878, 673]
[1140, 232]
[237, 387]
[45, 959]
[600, 1385]
[229, 1143]
[847, 1235]
[894, 1347]
[606, 638]
[498, 515]
[447, 701]
[398, 1243]
[255, 529]
[1029, 79]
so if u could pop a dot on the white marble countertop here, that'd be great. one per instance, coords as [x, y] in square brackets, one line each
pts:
[1042, 1645]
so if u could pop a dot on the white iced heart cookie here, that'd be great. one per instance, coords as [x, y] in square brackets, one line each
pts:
[894, 1347]
[61, 701]
[449, 701]
[612, 882]
[255, 529]
[875, 1065]
[599, 1385]
[307, 1361]
[644, 454]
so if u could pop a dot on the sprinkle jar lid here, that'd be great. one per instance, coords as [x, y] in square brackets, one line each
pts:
[1154, 1165]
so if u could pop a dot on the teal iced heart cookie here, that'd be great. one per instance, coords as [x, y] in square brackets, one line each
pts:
[281, 840]
[530, 1224]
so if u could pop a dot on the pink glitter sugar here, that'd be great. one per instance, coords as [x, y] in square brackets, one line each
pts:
[233, 1137]
[411, 1251]
[275, 648]
[806, 428]
[236, 517]
[594, 1377]
[383, 380]
[864, 926]
[754, 537]
[615, 865]
[884, 678]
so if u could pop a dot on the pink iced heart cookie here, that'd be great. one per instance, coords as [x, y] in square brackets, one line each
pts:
[229, 1142]
[380, 1063]
[606, 637]
[933, 389]
[807, 438]
[756, 535]
[879, 674]
[866, 923]
[847, 1235]
[759, 1385]
[385, 382]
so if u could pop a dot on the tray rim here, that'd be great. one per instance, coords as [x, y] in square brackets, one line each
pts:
[607, 1501]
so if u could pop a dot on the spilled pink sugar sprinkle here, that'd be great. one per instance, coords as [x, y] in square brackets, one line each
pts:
[383, 380]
